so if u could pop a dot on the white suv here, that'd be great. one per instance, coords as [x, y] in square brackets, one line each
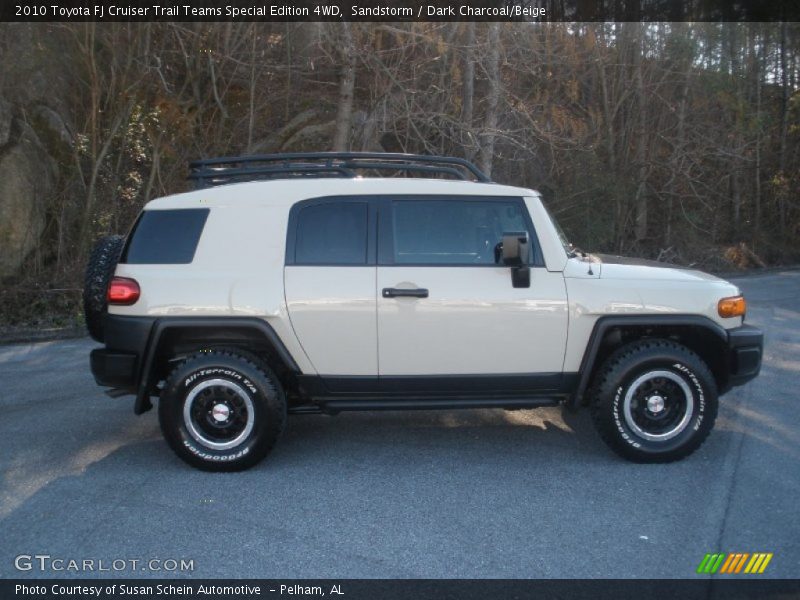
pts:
[294, 284]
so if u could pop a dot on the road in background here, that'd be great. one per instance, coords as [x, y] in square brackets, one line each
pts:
[484, 493]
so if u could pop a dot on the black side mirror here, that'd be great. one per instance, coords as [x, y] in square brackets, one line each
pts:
[516, 248]
[515, 252]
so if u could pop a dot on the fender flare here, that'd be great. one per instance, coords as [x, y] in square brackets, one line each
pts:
[608, 322]
[163, 325]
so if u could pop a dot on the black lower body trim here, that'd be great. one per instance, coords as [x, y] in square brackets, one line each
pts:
[335, 405]
[513, 384]
[332, 394]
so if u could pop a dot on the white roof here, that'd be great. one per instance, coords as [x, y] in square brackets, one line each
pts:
[289, 191]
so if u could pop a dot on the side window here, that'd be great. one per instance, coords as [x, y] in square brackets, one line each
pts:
[165, 237]
[452, 232]
[332, 233]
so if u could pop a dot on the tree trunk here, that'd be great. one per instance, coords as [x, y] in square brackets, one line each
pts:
[468, 87]
[251, 113]
[640, 229]
[757, 199]
[344, 115]
[490, 122]
[784, 124]
[680, 142]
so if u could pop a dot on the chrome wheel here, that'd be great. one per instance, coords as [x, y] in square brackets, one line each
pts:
[658, 405]
[218, 414]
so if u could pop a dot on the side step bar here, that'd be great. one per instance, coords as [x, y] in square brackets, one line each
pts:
[335, 405]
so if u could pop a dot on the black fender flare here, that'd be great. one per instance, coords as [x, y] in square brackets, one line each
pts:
[163, 325]
[608, 322]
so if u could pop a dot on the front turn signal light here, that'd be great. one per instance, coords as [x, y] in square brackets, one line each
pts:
[735, 306]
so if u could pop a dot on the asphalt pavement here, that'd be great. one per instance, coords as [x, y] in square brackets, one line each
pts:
[461, 494]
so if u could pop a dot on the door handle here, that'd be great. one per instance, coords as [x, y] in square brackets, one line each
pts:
[399, 292]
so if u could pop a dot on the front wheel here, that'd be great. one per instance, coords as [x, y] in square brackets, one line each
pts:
[222, 411]
[654, 401]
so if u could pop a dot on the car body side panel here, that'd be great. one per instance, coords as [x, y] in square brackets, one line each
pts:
[472, 322]
[648, 293]
[332, 311]
[237, 271]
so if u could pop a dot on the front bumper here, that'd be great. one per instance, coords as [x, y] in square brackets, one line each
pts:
[745, 348]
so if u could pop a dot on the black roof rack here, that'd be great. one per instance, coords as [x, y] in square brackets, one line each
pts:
[235, 169]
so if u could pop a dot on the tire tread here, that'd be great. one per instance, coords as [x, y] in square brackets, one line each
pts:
[269, 381]
[602, 390]
[102, 263]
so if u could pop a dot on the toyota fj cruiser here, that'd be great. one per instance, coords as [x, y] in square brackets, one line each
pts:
[320, 283]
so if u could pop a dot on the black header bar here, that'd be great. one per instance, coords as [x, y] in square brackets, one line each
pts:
[399, 589]
[399, 10]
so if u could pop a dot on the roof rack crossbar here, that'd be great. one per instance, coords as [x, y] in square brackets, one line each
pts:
[401, 167]
[218, 171]
[211, 177]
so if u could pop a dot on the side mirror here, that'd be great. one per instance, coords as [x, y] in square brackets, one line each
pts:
[515, 252]
[516, 248]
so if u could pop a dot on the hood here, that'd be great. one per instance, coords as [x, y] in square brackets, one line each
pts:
[613, 259]
[622, 267]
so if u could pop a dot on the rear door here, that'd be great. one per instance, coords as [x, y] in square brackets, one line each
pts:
[330, 279]
[448, 315]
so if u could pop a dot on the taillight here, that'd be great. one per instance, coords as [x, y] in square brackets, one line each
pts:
[123, 290]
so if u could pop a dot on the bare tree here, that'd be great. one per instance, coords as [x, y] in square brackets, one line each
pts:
[489, 135]
[344, 115]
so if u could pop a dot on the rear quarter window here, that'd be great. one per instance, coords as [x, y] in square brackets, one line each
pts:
[165, 237]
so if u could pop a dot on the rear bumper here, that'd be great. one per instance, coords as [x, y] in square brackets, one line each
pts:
[114, 369]
[745, 348]
[119, 364]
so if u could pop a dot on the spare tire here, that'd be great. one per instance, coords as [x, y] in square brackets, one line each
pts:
[102, 263]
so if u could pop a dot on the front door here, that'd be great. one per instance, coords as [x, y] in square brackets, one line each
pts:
[449, 318]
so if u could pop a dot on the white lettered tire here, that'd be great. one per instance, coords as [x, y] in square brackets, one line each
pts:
[654, 401]
[222, 411]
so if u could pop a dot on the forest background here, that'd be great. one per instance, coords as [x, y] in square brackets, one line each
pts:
[672, 141]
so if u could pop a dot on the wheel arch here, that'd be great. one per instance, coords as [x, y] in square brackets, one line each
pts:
[172, 337]
[698, 333]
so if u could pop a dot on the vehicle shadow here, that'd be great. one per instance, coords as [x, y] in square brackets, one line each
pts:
[482, 433]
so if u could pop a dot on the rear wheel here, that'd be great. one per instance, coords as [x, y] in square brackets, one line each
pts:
[102, 263]
[222, 411]
[654, 401]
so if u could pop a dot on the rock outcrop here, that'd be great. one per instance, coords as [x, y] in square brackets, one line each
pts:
[27, 178]
[33, 133]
